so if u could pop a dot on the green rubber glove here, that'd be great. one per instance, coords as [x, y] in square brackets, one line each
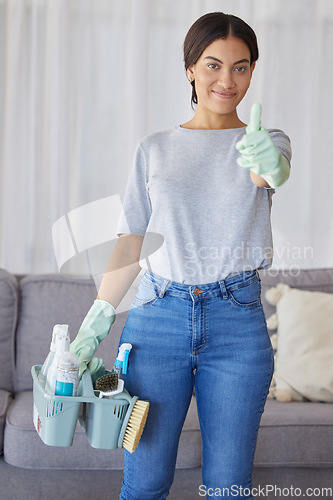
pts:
[95, 327]
[259, 154]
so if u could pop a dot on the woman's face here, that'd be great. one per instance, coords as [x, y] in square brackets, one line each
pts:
[222, 75]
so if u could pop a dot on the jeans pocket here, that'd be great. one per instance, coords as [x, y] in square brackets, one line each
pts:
[146, 294]
[247, 295]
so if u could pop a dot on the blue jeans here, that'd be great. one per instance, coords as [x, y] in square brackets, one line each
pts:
[212, 337]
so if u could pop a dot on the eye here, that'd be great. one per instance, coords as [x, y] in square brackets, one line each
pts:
[212, 64]
[240, 69]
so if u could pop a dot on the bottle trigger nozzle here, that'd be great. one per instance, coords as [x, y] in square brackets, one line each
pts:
[122, 358]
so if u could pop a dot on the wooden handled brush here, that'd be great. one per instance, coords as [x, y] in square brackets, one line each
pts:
[135, 425]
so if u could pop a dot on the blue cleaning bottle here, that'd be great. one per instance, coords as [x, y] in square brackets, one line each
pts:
[67, 374]
[62, 345]
[121, 362]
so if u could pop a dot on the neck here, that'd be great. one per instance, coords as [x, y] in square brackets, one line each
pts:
[213, 121]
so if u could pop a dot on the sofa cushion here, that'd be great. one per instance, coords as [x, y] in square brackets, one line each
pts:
[5, 399]
[295, 434]
[45, 301]
[8, 318]
[50, 299]
[24, 448]
[290, 434]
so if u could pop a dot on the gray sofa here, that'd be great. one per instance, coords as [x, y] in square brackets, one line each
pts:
[294, 448]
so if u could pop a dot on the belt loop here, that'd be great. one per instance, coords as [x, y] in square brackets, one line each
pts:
[162, 288]
[224, 291]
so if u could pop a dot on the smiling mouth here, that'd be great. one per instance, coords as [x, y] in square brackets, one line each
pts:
[224, 95]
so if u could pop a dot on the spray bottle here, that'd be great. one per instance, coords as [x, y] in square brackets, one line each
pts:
[62, 345]
[121, 362]
[48, 361]
[67, 374]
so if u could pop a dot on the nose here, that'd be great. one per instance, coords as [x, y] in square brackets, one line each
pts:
[226, 80]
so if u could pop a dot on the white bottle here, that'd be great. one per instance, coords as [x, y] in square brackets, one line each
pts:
[67, 374]
[48, 361]
[62, 345]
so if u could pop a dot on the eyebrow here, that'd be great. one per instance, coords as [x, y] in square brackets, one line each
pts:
[218, 60]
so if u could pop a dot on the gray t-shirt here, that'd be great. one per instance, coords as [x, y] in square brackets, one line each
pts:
[202, 217]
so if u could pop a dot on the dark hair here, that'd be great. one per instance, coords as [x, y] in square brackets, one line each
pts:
[211, 27]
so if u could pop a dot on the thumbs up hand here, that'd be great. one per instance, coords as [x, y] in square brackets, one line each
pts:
[255, 120]
[259, 154]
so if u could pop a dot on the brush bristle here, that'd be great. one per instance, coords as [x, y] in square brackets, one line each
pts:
[135, 425]
[108, 382]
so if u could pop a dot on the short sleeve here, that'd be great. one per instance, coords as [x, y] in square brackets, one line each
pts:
[282, 142]
[136, 211]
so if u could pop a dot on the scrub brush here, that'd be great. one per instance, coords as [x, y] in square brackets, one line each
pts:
[137, 416]
[109, 385]
[108, 382]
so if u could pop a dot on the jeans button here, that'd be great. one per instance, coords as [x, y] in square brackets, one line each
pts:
[196, 291]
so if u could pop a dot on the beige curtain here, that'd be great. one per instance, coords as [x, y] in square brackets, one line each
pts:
[83, 80]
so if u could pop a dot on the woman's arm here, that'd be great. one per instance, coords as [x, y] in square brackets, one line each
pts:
[258, 180]
[122, 269]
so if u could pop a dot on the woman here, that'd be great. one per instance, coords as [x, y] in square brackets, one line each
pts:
[197, 320]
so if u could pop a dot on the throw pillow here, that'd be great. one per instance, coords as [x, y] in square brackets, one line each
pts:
[304, 347]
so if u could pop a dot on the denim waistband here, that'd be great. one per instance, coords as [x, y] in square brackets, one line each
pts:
[201, 290]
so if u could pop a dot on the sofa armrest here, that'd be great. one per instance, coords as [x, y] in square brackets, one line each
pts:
[5, 400]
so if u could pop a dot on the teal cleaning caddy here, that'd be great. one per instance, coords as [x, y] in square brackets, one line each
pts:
[107, 422]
